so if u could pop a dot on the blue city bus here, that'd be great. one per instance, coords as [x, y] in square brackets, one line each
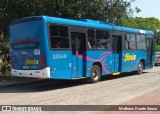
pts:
[58, 48]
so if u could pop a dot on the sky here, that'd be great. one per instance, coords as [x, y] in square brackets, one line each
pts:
[149, 8]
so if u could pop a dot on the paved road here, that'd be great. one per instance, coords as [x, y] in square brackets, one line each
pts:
[111, 90]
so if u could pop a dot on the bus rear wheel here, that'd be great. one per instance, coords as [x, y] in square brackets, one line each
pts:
[140, 68]
[95, 74]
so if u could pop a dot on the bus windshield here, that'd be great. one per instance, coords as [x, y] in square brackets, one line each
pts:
[25, 35]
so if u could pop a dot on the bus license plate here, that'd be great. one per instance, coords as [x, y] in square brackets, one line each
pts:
[25, 67]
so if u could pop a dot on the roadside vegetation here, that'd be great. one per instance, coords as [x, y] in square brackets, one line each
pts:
[114, 11]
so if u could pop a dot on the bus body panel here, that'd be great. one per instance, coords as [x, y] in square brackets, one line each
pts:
[27, 48]
[25, 40]
[44, 73]
[131, 59]
[62, 64]
[103, 57]
[107, 26]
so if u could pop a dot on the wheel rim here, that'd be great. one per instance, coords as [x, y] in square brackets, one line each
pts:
[95, 74]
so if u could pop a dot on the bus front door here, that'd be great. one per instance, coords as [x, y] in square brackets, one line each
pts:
[149, 60]
[78, 54]
[117, 52]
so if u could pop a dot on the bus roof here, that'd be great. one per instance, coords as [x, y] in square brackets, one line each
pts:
[88, 23]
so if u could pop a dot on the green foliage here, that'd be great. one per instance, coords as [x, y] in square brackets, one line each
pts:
[4, 46]
[4, 55]
[137, 10]
[150, 23]
[104, 10]
[5, 68]
[157, 47]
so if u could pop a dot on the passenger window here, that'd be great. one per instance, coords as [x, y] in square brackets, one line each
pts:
[141, 42]
[107, 38]
[130, 41]
[63, 31]
[91, 39]
[59, 36]
[102, 39]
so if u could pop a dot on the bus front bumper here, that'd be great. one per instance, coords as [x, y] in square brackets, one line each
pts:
[44, 73]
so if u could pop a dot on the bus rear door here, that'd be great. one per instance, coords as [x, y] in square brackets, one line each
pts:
[78, 53]
[78, 39]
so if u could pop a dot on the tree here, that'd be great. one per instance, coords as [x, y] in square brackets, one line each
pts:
[104, 10]
[4, 55]
[150, 23]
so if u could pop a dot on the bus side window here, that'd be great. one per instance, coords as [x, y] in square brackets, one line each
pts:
[59, 36]
[89, 45]
[102, 39]
[126, 45]
[58, 45]
[106, 36]
[91, 39]
[141, 42]
[130, 41]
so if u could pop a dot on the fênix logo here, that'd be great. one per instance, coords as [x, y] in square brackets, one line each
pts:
[130, 57]
[31, 62]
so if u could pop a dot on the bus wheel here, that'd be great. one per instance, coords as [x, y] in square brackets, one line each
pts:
[95, 74]
[140, 68]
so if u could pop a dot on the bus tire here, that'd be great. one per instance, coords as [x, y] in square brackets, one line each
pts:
[95, 74]
[140, 68]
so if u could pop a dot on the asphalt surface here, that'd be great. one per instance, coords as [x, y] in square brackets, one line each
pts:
[126, 89]
[10, 81]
